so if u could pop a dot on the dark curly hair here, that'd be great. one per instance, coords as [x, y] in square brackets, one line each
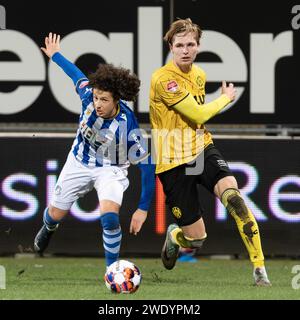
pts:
[118, 81]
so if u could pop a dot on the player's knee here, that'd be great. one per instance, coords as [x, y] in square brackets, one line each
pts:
[56, 213]
[110, 221]
[234, 203]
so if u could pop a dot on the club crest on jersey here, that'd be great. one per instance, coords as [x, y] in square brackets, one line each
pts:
[83, 84]
[172, 86]
[200, 83]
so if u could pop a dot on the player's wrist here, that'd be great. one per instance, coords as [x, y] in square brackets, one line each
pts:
[143, 211]
[54, 55]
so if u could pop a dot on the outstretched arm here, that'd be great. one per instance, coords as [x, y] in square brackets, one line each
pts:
[52, 48]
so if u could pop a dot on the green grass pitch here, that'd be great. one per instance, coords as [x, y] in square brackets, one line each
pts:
[82, 278]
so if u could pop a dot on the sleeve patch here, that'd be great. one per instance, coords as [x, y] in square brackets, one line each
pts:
[83, 84]
[172, 86]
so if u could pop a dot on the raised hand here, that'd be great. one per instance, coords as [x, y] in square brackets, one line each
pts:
[51, 44]
[230, 91]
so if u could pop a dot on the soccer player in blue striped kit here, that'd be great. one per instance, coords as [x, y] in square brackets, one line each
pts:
[108, 139]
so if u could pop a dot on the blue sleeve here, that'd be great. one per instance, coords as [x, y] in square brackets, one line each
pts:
[148, 185]
[137, 144]
[69, 68]
[80, 80]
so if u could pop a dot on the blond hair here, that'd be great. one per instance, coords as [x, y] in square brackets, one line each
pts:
[183, 26]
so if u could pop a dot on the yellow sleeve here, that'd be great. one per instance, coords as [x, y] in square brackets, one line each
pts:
[200, 113]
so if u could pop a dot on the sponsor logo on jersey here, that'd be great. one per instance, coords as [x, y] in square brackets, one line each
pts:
[172, 86]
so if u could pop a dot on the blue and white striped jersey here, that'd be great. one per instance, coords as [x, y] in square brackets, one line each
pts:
[104, 142]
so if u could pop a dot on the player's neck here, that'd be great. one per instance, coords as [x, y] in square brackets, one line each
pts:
[114, 113]
[184, 68]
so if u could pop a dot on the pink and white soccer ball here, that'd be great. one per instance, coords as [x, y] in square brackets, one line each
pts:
[122, 276]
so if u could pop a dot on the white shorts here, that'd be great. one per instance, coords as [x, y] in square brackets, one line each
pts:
[75, 180]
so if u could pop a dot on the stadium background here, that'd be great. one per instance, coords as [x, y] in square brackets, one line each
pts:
[38, 115]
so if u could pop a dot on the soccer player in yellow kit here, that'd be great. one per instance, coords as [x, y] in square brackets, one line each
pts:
[177, 115]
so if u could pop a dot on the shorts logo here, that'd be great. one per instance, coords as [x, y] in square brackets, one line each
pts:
[176, 212]
[57, 190]
[172, 86]
[222, 163]
[83, 84]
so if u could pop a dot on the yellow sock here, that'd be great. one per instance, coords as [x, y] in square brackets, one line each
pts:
[185, 242]
[246, 224]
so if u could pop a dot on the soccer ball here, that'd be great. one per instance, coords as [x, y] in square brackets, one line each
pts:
[122, 277]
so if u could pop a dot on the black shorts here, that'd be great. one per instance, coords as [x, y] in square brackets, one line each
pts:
[181, 190]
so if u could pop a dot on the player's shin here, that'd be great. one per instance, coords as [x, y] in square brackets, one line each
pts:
[246, 224]
[49, 222]
[44, 235]
[112, 235]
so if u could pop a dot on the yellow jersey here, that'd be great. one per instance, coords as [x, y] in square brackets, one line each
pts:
[177, 140]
